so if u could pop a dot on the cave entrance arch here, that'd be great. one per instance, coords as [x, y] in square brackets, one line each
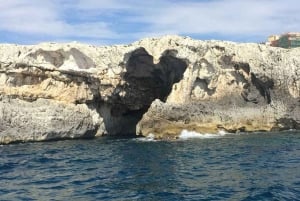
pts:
[145, 82]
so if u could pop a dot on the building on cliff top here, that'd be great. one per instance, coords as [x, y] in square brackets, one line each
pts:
[287, 40]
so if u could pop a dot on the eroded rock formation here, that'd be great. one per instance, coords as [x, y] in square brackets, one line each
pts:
[159, 86]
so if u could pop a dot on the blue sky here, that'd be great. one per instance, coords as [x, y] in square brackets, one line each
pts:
[119, 21]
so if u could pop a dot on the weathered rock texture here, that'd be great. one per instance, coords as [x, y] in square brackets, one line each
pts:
[53, 91]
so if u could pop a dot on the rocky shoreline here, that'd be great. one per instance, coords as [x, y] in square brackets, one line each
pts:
[156, 86]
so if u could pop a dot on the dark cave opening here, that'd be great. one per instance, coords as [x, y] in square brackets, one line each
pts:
[263, 86]
[145, 82]
[153, 80]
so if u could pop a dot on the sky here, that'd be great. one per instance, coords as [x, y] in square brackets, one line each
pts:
[106, 22]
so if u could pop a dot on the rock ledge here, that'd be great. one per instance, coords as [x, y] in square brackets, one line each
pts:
[157, 85]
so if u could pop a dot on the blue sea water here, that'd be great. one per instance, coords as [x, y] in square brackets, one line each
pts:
[261, 166]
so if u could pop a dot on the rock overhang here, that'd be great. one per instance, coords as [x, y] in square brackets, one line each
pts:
[105, 79]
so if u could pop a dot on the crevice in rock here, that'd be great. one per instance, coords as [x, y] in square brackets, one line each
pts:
[145, 81]
[239, 77]
[263, 85]
[243, 66]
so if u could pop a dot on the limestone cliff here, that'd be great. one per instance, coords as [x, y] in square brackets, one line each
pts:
[53, 91]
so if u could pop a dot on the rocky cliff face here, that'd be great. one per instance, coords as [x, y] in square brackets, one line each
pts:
[159, 86]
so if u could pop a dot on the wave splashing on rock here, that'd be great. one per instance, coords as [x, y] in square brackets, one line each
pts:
[185, 135]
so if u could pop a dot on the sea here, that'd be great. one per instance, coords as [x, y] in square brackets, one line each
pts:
[256, 166]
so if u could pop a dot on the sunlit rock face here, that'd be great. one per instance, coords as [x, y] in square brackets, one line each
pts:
[229, 87]
[159, 86]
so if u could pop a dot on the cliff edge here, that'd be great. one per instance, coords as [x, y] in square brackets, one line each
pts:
[157, 85]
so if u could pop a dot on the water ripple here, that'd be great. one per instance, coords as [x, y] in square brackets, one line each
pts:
[240, 167]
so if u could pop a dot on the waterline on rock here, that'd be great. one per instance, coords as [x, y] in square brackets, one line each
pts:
[148, 138]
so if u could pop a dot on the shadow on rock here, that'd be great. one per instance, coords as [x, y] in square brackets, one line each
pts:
[145, 81]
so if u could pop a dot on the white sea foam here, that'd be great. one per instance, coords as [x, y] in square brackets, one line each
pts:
[148, 138]
[222, 132]
[185, 134]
